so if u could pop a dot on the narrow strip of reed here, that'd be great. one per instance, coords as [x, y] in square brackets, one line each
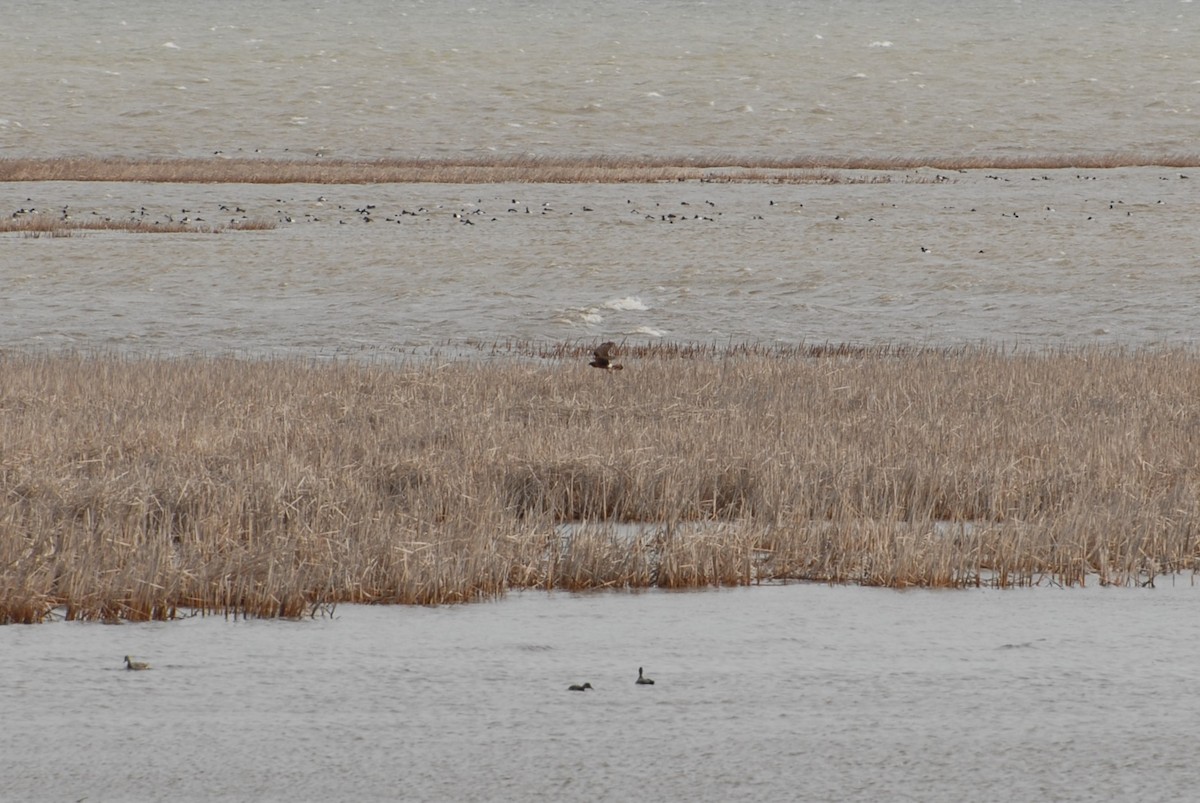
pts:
[135, 489]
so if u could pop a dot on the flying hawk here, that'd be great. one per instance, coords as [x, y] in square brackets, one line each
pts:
[604, 355]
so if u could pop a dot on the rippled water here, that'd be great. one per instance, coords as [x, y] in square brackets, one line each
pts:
[773, 693]
[1041, 258]
[1104, 256]
[795, 692]
[765, 77]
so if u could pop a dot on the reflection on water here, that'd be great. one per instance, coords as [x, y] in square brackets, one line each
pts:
[785, 692]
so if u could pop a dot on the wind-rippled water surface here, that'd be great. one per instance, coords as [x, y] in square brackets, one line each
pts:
[1022, 257]
[773, 693]
[765, 77]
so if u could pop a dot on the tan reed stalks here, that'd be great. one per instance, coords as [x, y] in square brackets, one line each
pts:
[135, 489]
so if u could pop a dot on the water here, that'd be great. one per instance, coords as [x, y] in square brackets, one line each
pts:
[1014, 260]
[795, 692]
[1102, 256]
[774, 693]
[765, 77]
[1039, 258]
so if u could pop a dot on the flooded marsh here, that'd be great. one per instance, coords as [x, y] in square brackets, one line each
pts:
[139, 487]
[894, 497]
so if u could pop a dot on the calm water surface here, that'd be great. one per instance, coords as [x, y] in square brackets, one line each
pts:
[774, 693]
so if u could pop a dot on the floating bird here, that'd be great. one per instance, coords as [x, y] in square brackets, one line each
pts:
[132, 664]
[604, 355]
[577, 687]
[643, 680]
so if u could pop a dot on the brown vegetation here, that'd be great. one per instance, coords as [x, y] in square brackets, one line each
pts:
[138, 488]
[562, 169]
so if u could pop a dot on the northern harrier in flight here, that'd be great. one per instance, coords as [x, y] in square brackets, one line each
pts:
[604, 355]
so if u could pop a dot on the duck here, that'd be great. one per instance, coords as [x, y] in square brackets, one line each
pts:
[132, 664]
[643, 680]
[604, 355]
[578, 687]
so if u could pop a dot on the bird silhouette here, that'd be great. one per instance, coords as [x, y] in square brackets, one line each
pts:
[132, 664]
[604, 355]
[577, 687]
[642, 679]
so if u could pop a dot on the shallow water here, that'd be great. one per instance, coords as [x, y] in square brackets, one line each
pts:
[1028, 257]
[794, 692]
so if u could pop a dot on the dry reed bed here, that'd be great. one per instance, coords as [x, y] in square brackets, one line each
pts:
[545, 170]
[136, 488]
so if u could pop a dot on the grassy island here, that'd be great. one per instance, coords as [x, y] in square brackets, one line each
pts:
[140, 488]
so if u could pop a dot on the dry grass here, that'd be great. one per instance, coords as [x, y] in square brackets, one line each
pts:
[546, 170]
[136, 488]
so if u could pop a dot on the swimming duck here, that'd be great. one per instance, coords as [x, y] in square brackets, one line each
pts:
[643, 680]
[132, 664]
[577, 687]
[604, 355]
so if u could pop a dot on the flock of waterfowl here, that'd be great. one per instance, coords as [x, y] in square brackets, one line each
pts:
[280, 211]
[53, 217]
[287, 211]
[642, 680]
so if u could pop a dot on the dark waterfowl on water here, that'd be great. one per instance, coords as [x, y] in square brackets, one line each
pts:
[578, 687]
[643, 680]
[132, 664]
[604, 355]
